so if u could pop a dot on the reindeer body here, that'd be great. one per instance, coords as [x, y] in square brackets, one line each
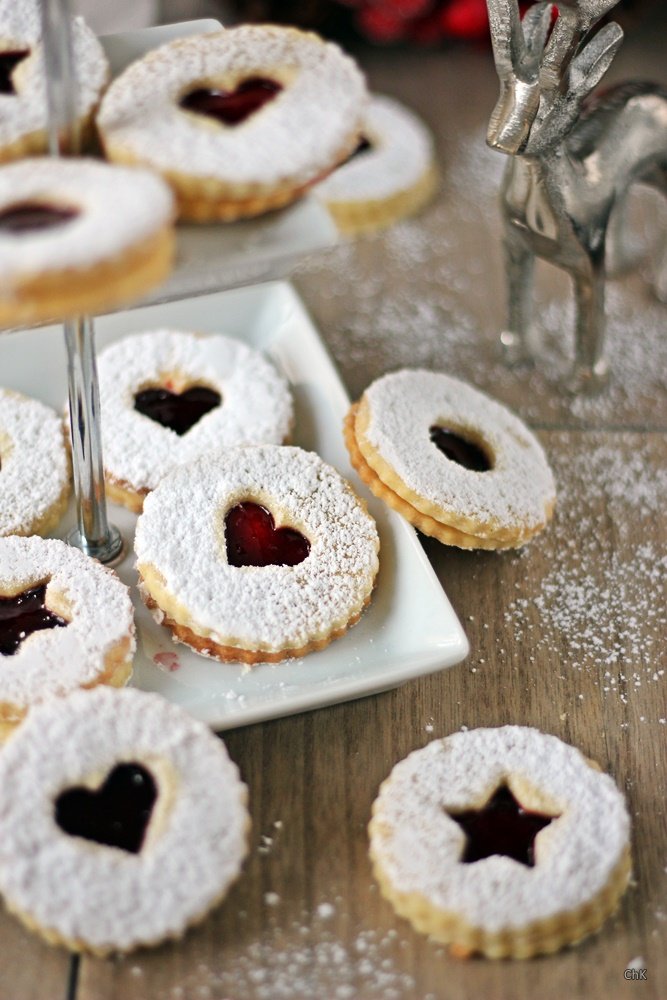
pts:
[566, 175]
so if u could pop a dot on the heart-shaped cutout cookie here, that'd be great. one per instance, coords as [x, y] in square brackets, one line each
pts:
[24, 614]
[116, 814]
[252, 539]
[177, 411]
[231, 107]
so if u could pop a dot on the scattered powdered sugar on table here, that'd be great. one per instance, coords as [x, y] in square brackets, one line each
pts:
[430, 292]
[296, 968]
[608, 614]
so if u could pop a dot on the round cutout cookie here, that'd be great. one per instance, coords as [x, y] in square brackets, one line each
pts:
[122, 821]
[68, 247]
[256, 554]
[239, 122]
[454, 462]
[392, 174]
[507, 842]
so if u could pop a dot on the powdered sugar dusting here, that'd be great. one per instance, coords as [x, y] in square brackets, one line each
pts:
[104, 228]
[606, 614]
[56, 661]
[575, 855]
[194, 844]
[25, 111]
[256, 405]
[181, 535]
[34, 466]
[308, 959]
[295, 136]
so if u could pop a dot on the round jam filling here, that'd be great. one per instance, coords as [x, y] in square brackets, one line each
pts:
[363, 146]
[24, 614]
[116, 814]
[232, 107]
[8, 63]
[458, 449]
[502, 826]
[252, 539]
[33, 216]
[177, 411]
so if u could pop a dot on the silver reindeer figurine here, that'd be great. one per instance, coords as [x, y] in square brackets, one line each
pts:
[569, 167]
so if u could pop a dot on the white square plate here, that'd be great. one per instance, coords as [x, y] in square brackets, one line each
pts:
[409, 628]
[238, 253]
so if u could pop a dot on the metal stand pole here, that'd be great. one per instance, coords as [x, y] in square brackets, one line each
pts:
[94, 534]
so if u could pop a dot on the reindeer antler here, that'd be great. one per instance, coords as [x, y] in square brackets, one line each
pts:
[506, 35]
[572, 25]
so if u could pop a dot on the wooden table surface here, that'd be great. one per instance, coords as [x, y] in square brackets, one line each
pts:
[567, 635]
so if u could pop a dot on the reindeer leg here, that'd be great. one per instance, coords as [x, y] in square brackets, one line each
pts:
[519, 266]
[590, 370]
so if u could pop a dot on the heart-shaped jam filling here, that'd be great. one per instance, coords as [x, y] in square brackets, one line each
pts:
[502, 826]
[177, 411]
[8, 63]
[32, 216]
[252, 539]
[116, 814]
[459, 449]
[231, 107]
[24, 614]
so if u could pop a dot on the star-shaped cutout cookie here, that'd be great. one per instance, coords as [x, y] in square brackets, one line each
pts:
[501, 826]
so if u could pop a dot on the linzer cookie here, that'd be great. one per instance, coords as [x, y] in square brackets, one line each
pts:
[23, 90]
[391, 174]
[34, 466]
[66, 622]
[256, 554]
[239, 122]
[78, 236]
[454, 462]
[122, 821]
[169, 397]
[506, 842]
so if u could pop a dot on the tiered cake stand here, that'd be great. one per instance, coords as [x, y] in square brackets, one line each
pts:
[410, 628]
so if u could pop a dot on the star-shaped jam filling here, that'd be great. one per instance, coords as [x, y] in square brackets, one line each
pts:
[24, 614]
[501, 826]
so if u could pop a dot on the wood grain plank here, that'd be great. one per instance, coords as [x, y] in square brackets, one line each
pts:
[29, 968]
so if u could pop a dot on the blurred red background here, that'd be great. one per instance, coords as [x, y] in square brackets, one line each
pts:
[425, 22]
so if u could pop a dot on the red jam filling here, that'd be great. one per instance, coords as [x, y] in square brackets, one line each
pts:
[177, 411]
[253, 540]
[117, 814]
[30, 217]
[459, 450]
[24, 614]
[502, 826]
[8, 63]
[232, 107]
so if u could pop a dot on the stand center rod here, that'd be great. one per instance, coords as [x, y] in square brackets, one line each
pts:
[94, 534]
